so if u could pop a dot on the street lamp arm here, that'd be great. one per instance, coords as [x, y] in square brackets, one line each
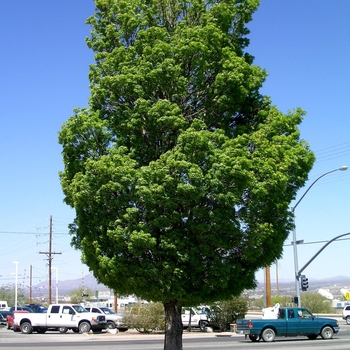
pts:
[318, 253]
[328, 172]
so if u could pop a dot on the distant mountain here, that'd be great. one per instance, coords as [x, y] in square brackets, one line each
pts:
[64, 287]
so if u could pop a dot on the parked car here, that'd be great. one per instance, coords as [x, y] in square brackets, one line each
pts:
[11, 316]
[3, 315]
[3, 305]
[2, 319]
[37, 308]
[113, 319]
[346, 314]
[26, 308]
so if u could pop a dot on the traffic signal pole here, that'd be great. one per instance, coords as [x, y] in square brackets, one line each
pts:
[299, 275]
[295, 242]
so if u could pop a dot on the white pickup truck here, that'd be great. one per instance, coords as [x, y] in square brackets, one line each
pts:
[113, 320]
[61, 317]
[198, 318]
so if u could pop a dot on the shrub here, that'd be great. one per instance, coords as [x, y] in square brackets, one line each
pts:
[145, 318]
[316, 303]
[223, 313]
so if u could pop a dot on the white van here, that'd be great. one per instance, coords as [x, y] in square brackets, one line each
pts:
[3, 305]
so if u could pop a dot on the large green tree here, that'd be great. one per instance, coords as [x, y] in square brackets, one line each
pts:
[180, 171]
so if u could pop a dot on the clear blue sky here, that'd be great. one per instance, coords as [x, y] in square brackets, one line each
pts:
[303, 45]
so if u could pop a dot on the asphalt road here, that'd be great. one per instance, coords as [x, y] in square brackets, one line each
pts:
[136, 341]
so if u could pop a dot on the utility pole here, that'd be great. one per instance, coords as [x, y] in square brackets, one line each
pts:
[115, 302]
[49, 258]
[267, 286]
[277, 285]
[31, 284]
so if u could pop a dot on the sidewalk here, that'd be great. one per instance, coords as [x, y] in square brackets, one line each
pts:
[132, 334]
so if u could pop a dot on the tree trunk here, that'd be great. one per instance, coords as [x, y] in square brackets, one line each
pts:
[173, 326]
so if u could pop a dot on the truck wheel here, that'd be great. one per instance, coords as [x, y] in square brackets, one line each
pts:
[347, 320]
[327, 332]
[84, 327]
[63, 329]
[203, 325]
[26, 328]
[268, 335]
[110, 325]
[254, 337]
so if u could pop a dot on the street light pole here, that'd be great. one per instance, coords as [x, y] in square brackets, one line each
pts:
[295, 242]
[16, 284]
[56, 270]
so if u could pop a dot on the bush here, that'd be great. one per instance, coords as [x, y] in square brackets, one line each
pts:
[145, 318]
[77, 295]
[284, 301]
[316, 303]
[223, 313]
[8, 294]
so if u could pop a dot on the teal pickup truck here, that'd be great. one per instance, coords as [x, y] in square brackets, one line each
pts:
[289, 322]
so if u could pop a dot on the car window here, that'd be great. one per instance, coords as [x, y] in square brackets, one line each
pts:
[282, 313]
[55, 309]
[302, 313]
[68, 310]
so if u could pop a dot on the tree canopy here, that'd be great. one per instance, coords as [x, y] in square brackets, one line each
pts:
[181, 173]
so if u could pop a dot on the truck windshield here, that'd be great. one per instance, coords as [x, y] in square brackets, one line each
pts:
[79, 309]
[107, 311]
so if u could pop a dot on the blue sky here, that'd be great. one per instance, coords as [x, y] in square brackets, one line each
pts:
[303, 45]
[305, 48]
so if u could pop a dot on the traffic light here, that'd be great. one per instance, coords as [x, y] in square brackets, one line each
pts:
[304, 283]
[295, 300]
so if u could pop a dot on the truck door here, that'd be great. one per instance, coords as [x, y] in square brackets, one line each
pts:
[53, 316]
[68, 318]
[292, 325]
[185, 316]
[306, 323]
[194, 319]
[61, 318]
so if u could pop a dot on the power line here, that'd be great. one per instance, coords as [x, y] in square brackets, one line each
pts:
[332, 152]
[32, 233]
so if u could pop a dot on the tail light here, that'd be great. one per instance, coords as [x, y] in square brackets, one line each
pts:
[250, 324]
